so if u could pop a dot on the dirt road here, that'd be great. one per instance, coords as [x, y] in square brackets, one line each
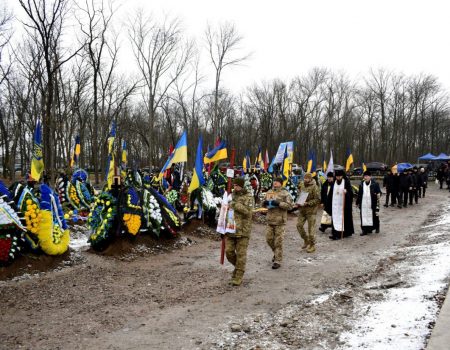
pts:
[181, 299]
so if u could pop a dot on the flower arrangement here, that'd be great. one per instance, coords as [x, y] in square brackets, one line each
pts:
[84, 195]
[53, 232]
[207, 199]
[172, 197]
[11, 228]
[131, 211]
[266, 181]
[151, 213]
[72, 194]
[292, 189]
[30, 207]
[101, 219]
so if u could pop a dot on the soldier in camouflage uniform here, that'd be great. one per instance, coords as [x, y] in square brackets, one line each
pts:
[308, 212]
[278, 201]
[237, 243]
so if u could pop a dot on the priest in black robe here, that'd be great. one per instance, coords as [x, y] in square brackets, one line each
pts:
[339, 206]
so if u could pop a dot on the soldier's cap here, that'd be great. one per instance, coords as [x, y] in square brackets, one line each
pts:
[330, 174]
[278, 179]
[308, 176]
[367, 173]
[239, 181]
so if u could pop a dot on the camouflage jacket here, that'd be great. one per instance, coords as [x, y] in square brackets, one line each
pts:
[313, 200]
[278, 216]
[242, 205]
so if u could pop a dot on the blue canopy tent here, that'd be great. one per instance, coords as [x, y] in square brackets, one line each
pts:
[427, 156]
[442, 156]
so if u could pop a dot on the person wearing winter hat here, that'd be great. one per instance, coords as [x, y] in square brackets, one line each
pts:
[279, 202]
[237, 243]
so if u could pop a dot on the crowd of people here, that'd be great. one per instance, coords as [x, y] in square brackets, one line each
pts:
[335, 196]
[405, 188]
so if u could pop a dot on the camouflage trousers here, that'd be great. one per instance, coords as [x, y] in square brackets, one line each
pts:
[236, 252]
[274, 238]
[310, 237]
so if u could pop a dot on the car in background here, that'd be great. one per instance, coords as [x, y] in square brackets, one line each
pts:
[377, 168]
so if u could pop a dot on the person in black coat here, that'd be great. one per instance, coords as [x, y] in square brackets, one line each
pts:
[369, 205]
[418, 182]
[440, 176]
[324, 191]
[424, 176]
[412, 189]
[404, 188]
[340, 187]
[388, 184]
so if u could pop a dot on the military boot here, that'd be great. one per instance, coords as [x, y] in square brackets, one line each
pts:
[237, 279]
[311, 248]
[305, 244]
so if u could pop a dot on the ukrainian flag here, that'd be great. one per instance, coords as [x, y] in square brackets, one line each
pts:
[259, 163]
[246, 165]
[217, 153]
[312, 163]
[76, 153]
[285, 170]
[178, 155]
[124, 159]
[111, 163]
[364, 167]
[37, 161]
[349, 161]
[197, 177]
[324, 163]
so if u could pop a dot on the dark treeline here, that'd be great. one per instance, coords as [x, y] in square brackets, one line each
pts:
[77, 88]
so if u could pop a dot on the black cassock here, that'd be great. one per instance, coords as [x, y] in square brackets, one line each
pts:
[375, 205]
[348, 217]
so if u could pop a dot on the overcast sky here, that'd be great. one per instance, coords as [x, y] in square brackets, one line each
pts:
[289, 37]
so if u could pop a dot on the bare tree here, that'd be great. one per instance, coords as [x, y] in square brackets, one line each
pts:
[46, 26]
[162, 56]
[223, 44]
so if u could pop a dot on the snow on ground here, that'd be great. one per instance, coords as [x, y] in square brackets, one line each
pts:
[401, 319]
[79, 236]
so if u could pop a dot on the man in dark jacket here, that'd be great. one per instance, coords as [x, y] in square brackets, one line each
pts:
[440, 176]
[418, 182]
[412, 188]
[424, 177]
[388, 184]
[368, 202]
[404, 188]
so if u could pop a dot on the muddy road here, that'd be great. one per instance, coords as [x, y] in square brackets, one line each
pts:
[180, 298]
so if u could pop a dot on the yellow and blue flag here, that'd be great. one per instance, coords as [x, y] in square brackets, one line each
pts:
[124, 162]
[178, 155]
[285, 169]
[76, 153]
[259, 163]
[217, 153]
[110, 166]
[349, 160]
[312, 162]
[246, 165]
[197, 177]
[37, 161]
[364, 167]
